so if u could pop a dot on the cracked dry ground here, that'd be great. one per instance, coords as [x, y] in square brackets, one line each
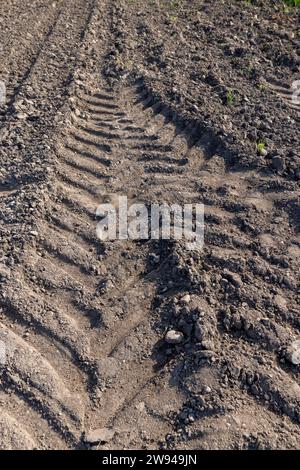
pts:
[82, 321]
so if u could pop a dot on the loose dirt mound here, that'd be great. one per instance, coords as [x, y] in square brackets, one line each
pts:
[121, 99]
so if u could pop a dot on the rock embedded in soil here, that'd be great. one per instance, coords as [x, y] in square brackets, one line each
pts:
[174, 337]
[185, 299]
[293, 352]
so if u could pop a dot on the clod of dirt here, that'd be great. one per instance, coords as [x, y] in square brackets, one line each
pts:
[99, 435]
[278, 163]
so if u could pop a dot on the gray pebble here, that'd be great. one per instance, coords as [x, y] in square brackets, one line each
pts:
[174, 337]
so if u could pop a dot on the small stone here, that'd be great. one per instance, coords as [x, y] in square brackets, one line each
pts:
[185, 299]
[174, 337]
[293, 352]
[141, 406]
[206, 344]
[280, 302]
[99, 435]
[22, 116]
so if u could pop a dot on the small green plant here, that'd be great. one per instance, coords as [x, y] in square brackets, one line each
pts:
[262, 86]
[292, 3]
[173, 18]
[171, 4]
[230, 98]
[261, 148]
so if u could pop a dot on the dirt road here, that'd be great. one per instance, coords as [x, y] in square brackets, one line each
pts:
[175, 102]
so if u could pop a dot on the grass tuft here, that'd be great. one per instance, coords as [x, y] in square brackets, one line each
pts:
[230, 98]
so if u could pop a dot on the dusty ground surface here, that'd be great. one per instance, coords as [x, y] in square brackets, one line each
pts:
[180, 102]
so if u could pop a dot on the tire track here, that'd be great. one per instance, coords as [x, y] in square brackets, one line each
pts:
[15, 53]
[74, 268]
[42, 352]
[127, 351]
[225, 229]
[104, 322]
